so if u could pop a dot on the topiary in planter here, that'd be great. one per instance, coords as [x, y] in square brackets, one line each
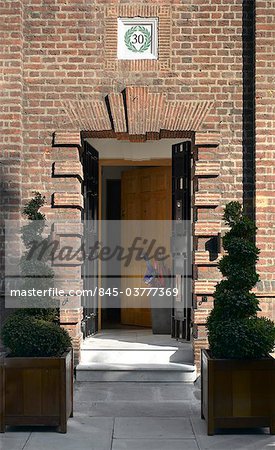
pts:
[35, 270]
[234, 330]
[39, 365]
[34, 332]
[27, 336]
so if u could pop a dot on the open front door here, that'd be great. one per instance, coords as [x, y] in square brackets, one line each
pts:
[181, 240]
[90, 267]
[146, 199]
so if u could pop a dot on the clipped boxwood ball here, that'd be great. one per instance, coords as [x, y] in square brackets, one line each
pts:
[29, 336]
[47, 314]
[240, 339]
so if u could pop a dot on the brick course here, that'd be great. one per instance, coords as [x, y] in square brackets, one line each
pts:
[11, 120]
[265, 138]
[265, 152]
[59, 64]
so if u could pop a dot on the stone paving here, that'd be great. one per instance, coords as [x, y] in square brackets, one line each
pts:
[136, 416]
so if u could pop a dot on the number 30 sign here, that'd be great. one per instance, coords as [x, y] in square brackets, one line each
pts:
[137, 38]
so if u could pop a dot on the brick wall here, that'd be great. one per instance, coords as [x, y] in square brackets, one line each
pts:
[70, 66]
[11, 122]
[65, 65]
[249, 107]
[265, 150]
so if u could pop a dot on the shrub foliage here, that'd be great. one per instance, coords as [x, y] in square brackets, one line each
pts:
[35, 331]
[30, 336]
[234, 329]
[35, 270]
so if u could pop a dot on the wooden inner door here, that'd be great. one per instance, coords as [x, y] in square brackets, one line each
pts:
[145, 196]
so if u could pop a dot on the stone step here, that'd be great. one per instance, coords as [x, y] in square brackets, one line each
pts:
[151, 365]
[152, 356]
[172, 372]
[135, 355]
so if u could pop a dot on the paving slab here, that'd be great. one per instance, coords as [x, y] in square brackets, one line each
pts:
[84, 433]
[175, 392]
[250, 439]
[154, 444]
[133, 392]
[153, 427]
[17, 432]
[115, 391]
[116, 416]
[135, 409]
[12, 443]
[14, 438]
[93, 391]
[195, 407]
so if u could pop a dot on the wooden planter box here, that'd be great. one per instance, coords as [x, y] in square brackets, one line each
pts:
[237, 393]
[36, 391]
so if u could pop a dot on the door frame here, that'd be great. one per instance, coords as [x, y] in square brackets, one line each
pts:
[160, 162]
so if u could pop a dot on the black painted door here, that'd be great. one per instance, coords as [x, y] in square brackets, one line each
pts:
[90, 267]
[181, 245]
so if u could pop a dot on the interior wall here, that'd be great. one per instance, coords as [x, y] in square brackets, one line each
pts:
[109, 173]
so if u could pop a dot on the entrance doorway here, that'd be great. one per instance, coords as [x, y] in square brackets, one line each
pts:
[139, 194]
[146, 198]
[138, 190]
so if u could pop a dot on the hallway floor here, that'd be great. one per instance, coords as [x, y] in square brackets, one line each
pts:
[131, 338]
[136, 416]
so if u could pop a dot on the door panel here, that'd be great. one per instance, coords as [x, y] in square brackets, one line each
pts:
[181, 239]
[146, 195]
[90, 268]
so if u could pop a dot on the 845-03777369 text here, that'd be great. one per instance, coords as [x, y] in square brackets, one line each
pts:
[101, 292]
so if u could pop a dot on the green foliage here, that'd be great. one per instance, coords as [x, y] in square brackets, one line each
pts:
[244, 304]
[147, 39]
[31, 210]
[232, 213]
[35, 270]
[47, 314]
[234, 330]
[34, 331]
[240, 338]
[28, 336]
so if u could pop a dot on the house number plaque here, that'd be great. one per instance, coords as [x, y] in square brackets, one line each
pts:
[137, 38]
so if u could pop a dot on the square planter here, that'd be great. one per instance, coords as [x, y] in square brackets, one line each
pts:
[237, 393]
[36, 391]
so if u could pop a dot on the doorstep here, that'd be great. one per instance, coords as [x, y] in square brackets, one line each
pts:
[135, 357]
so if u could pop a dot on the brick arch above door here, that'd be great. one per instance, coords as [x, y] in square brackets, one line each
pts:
[136, 114]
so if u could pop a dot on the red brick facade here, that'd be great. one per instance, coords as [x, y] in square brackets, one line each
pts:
[11, 120]
[58, 65]
[265, 150]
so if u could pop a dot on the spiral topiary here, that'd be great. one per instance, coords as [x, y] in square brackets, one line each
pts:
[35, 331]
[35, 271]
[234, 329]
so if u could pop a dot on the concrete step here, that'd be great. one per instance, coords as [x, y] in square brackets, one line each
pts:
[150, 356]
[135, 355]
[173, 372]
[154, 364]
